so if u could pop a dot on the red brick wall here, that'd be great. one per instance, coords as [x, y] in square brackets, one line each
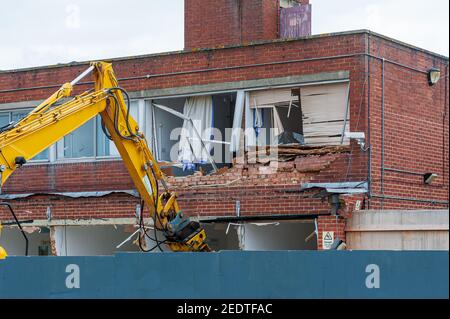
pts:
[73, 177]
[416, 127]
[409, 100]
[35, 207]
[184, 65]
[111, 175]
[212, 23]
[261, 192]
[330, 224]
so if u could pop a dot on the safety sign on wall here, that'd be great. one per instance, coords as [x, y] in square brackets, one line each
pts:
[327, 239]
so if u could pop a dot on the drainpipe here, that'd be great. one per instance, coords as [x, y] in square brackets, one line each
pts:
[382, 132]
[369, 190]
[444, 126]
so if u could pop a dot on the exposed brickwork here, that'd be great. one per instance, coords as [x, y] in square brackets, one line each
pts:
[75, 177]
[241, 58]
[260, 191]
[330, 224]
[210, 24]
[416, 132]
[35, 207]
[416, 127]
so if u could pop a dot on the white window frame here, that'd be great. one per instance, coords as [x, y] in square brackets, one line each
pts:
[144, 116]
[58, 155]
[33, 161]
[248, 119]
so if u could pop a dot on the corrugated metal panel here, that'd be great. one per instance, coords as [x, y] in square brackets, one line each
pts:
[295, 22]
[72, 194]
[339, 188]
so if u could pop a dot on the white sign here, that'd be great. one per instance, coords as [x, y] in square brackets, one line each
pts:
[327, 239]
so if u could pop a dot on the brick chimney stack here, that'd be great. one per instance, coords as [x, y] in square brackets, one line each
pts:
[217, 23]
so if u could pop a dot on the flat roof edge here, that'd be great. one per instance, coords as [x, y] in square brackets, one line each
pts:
[256, 43]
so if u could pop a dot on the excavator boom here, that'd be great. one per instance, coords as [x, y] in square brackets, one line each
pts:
[50, 121]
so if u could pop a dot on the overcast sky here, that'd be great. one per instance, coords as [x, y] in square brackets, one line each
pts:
[35, 33]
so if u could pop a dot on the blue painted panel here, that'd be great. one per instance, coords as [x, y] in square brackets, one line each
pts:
[230, 274]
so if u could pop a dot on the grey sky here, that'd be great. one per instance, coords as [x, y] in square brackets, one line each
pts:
[35, 33]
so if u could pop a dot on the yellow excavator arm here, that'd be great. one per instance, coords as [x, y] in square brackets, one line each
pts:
[49, 122]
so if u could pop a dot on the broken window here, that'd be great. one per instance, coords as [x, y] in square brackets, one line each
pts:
[199, 126]
[262, 236]
[94, 240]
[38, 241]
[191, 133]
[307, 115]
[282, 235]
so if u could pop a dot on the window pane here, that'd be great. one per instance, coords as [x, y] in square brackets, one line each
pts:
[44, 155]
[103, 144]
[80, 143]
[106, 147]
[16, 117]
[134, 110]
[4, 119]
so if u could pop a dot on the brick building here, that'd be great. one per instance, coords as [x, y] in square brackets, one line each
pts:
[318, 87]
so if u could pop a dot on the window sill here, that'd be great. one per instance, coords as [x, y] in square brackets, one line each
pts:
[87, 160]
[75, 160]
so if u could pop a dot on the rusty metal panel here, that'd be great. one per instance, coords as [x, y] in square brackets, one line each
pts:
[295, 22]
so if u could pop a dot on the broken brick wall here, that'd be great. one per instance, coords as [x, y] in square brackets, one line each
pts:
[181, 71]
[259, 191]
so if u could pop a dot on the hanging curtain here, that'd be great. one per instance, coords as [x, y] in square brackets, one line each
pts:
[258, 120]
[200, 110]
[237, 121]
[277, 123]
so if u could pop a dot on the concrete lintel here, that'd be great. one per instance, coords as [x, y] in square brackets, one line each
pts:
[99, 221]
[395, 228]
[398, 220]
[19, 105]
[71, 194]
[256, 43]
[308, 79]
[86, 222]
[418, 211]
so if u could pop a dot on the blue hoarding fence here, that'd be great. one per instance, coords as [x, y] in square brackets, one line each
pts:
[230, 274]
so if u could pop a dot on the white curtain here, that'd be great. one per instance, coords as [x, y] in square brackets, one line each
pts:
[277, 123]
[237, 121]
[200, 110]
